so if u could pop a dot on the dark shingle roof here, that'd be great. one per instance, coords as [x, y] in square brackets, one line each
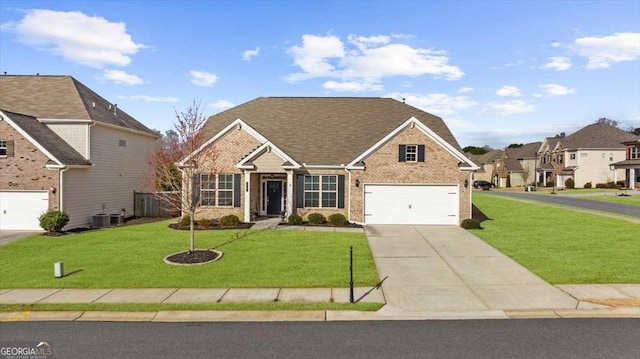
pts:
[488, 157]
[325, 130]
[598, 135]
[60, 97]
[48, 139]
[513, 164]
[527, 151]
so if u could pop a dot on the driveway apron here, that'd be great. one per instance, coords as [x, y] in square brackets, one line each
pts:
[446, 268]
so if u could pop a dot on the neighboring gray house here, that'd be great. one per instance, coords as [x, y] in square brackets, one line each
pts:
[63, 146]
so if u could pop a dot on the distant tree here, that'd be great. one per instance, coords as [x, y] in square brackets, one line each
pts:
[608, 121]
[635, 131]
[475, 150]
[526, 172]
[560, 135]
[515, 145]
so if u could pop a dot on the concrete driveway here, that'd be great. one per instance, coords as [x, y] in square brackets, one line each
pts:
[445, 268]
[7, 236]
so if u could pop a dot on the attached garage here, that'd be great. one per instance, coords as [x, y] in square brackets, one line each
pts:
[411, 204]
[19, 210]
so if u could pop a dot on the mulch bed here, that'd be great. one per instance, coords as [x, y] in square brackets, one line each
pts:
[307, 224]
[199, 228]
[196, 257]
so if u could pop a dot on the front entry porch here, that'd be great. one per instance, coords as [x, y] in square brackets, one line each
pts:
[268, 194]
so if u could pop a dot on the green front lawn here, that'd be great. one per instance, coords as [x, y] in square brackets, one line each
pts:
[559, 245]
[131, 257]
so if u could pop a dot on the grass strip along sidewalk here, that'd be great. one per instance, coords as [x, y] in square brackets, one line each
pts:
[559, 245]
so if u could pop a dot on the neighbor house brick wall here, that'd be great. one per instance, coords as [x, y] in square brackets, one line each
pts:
[26, 169]
[439, 167]
[221, 157]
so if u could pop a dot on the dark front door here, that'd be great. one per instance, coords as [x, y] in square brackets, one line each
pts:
[274, 197]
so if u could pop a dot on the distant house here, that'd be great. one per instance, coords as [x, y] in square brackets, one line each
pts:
[585, 156]
[486, 164]
[631, 164]
[63, 146]
[517, 166]
[374, 160]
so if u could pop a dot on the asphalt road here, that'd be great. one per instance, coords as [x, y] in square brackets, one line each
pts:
[532, 338]
[618, 208]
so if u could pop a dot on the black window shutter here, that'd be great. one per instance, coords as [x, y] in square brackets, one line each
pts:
[10, 148]
[420, 153]
[236, 190]
[340, 191]
[402, 153]
[195, 190]
[299, 191]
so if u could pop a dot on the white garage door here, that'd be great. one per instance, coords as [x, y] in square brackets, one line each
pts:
[411, 204]
[20, 210]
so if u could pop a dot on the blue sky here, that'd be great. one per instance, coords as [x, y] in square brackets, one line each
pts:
[496, 72]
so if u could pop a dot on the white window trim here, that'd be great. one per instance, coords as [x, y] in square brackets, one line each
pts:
[216, 190]
[414, 153]
[320, 191]
[4, 147]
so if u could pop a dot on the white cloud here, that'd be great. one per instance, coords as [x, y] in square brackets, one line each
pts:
[556, 90]
[313, 56]
[221, 104]
[121, 77]
[367, 59]
[146, 98]
[509, 91]
[353, 86]
[556, 44]
[250, 54]
[77, 37]
[558, 63]
[508, 108]
[202, 78]
[465, 90]
[603, 52]
[437, 104]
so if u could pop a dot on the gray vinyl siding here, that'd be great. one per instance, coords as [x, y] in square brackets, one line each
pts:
[116, 173]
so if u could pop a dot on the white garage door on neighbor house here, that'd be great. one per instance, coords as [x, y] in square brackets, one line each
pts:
[21, 209]
[411, 204]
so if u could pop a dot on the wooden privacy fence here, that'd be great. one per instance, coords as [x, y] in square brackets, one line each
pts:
[150, 205]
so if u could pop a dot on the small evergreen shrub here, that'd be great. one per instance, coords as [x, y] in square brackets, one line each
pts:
[205, 223]
[338, 220]
[184, 221]
[317, 218]
[294, 219]
[470, 223]
[588, 185]
[229, 221]
[508, 181]
[601, 185]
[569, 183]
[550, 184]
[53, 220]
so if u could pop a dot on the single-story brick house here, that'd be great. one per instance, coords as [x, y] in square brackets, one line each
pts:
[63, 146]
[375, 160]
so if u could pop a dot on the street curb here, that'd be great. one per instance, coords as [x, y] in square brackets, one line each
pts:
[310, 316]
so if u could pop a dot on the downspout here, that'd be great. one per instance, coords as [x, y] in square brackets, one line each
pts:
[349, 200]
[61, 188]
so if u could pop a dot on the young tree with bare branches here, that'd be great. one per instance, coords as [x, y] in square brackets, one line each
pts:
[176, 164]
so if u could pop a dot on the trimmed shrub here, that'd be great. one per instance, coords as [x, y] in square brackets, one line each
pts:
[550, 184]
[470, 223]
[294, 219]
[569, 183]
[229, 221]
[205, 223]
[601, 185]
[508, 180]
[338, 220]
[317, 218]
[588, 185]
[184, 221]
[53, 220]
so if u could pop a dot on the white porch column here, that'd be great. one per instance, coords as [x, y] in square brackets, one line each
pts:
[632, 178]
[247, 196]
[289, 192]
